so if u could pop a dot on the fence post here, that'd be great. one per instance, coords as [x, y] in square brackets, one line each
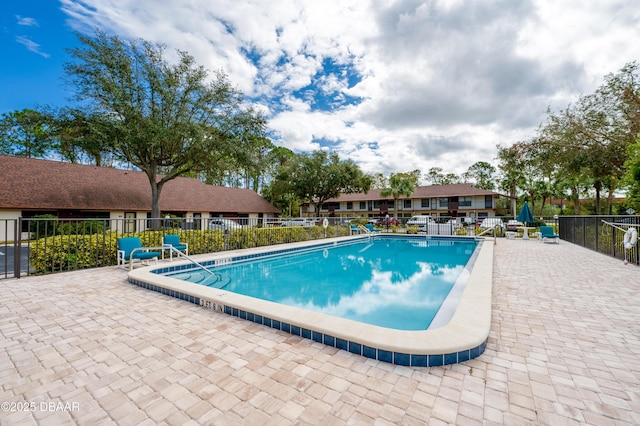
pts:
[17, 248]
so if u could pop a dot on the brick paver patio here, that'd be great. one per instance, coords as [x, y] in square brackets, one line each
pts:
[88, 348]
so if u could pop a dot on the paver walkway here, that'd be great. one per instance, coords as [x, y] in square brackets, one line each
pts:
[88, 348]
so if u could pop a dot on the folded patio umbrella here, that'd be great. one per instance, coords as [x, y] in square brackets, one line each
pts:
[525, 216]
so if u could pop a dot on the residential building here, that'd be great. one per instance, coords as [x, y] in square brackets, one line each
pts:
[439, 201]
[30, 187]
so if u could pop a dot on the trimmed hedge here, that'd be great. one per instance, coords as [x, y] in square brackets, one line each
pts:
[81, 251]
[70, 252]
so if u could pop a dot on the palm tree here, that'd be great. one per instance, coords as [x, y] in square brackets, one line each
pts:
[399, 184]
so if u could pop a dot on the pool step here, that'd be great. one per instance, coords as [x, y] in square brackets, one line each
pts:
[210, 280]
[216, 280]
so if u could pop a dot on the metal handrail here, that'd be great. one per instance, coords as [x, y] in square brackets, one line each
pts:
[179, 253]
[495, 233]
[489, 229]
[364, 228]
[614, 225]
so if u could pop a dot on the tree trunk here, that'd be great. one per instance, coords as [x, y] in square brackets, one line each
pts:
[532, 202]
[156, 189]
[610, 200]
[576, 201]
[395, 208]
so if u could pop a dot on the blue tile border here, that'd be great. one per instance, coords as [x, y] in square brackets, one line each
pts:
[182, 296]
[386, 356]
[419, 360]
[342, 344]
[369, 352]
[401, 359]
[355, 348]
[451, 358]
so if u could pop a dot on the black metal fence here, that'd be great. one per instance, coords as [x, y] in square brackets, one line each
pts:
[8, 237]
[604, 234]
[31, 246]
[35, 246]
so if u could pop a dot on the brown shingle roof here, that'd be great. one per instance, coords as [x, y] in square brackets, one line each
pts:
[27, 183]
[432, 191]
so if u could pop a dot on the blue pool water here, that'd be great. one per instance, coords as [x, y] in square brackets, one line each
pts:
[397, 283]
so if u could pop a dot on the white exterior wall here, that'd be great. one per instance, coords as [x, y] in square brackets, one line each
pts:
[7, 226]
[356, 208]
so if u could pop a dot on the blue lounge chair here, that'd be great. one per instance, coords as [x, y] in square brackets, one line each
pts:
[547, 232]
[130, 250]
[354, 229]
[372, 229]
[173, 241]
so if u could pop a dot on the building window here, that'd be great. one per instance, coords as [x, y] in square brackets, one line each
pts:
[464, 202]
[376, 204]
[407, 204]
[444, 202]
[349, 205]
[363, 205]
[488, 202]
[424, 203]
[331, 206]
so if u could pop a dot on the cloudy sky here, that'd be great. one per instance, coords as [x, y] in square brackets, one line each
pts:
[393, 85]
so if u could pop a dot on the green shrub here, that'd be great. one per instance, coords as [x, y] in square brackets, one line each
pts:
[412, 229]
[43, 228]
[317, 232]
[80, 227]
[537, 223]
[90, 250]
[70, 252]
[200, 242]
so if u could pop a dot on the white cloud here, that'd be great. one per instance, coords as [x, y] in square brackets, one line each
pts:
[31, 46]
[26, 21]
[440, 82]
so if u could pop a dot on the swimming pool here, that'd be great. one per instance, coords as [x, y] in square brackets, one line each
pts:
[461, 338]
[392, 282]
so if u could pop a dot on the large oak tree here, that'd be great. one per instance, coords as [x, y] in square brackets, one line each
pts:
[169, 118]
[319, 176]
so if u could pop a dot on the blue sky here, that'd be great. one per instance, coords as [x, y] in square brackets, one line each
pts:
[395, 85]
[34, 38]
